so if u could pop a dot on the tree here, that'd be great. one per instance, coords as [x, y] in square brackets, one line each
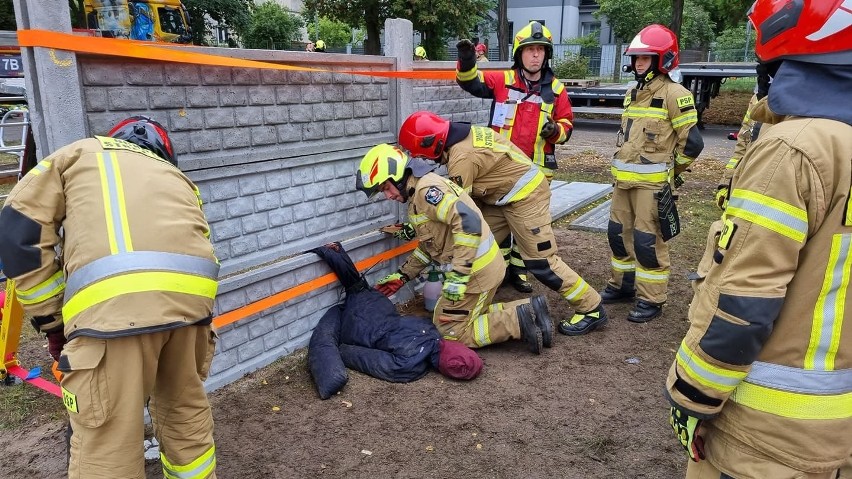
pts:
[7, 16]
[438, 20]
[730, 45]
[727, 14]
[503, 33]
[78, 13]
[628, 17]
[334, 33]
[234, 15]
[371, 14]
[271, 25]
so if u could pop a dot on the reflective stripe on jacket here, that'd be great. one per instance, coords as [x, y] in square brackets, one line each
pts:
[136, 255]
[768, 356]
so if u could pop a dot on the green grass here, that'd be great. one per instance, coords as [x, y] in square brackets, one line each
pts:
[739, 84]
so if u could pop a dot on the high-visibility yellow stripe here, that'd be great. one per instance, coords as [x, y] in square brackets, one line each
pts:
[830, 307]
[770, 213]
[108, 213]
[646, 112]
[468, 75]
[418, 219]
[623, 266]
[647, 276]
[200, 468]
[122, 204]
[732, 163]
[481, 333]
[137, 283]
[793, 405]
[464, 239]
[577, 291]
[620, 175]
[40, 168]
[421, 256]
[443, 208]
[43, 291]
[682, 120]
[708, 375]
[486, 258]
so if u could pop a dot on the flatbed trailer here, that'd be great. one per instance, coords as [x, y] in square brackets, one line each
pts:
[703, 79]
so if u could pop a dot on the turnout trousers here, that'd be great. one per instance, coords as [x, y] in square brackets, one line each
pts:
[529, 222]
[105, 386]
[638, 251]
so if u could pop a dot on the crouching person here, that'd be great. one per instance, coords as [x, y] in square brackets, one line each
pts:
[451, 230]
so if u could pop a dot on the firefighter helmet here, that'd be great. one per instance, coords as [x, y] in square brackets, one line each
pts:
[481, 49]
[812, 32]
[533, 34]
[420, 52]
[383, 162]
[656, 40]
[319, 46]
[424, 134]
[147, 133]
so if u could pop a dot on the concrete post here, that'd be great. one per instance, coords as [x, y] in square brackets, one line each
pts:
[54, 92]
[398, 34]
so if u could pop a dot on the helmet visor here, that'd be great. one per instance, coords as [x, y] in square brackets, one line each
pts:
[370, 191]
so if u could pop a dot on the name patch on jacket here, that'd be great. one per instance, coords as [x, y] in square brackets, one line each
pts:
[482, 137]
[108, 143]
[685, 101]
[434, 195]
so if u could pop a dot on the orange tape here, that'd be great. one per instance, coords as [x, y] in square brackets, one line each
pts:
[40, 383]
[288, 294]
[152, 51]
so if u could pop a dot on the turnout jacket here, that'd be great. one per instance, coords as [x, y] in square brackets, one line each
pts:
[135, 250]
[519, 112]
[660, 138]
[451, 230]
[768, 356]
[492, 169]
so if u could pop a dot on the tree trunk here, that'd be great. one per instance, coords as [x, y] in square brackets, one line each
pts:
[677, 16]
[616, 70]
[503, 33]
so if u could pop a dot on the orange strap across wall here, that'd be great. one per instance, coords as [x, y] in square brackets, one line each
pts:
[288, 294]
[152, 51]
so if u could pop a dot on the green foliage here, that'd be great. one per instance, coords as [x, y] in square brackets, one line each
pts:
[628, 17]
[232, 14]
[587, 41]
[271, 25]
[727, 14]
[7, 16]
[730, 45]
[369, 14]
[334, 33]
[571, 65]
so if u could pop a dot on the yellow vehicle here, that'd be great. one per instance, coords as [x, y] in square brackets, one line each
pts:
[149, 20]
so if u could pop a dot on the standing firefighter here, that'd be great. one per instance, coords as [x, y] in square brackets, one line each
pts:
[132, 291]
[657, 141]
[762, 383]
[452, 231]
[530, 107]
[514, 197]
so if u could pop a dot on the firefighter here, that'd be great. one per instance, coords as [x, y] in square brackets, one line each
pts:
[131, 291]
[514, 197]
[760, 386]
[319, 46]
[481, 53]
[530, 107]
[452, 231]
[420, 54]
[657, 142]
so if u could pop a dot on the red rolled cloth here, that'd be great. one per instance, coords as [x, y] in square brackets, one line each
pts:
[2, 302]
[457, 361]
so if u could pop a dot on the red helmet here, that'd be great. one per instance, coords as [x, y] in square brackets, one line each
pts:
[656, 40]
[147, 133]
[481, 48]
[424, 134]
[807, 31]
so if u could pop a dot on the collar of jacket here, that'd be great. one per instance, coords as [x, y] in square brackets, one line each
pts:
[545, 83]
[812, 90]
[655, 84]
[763, 114]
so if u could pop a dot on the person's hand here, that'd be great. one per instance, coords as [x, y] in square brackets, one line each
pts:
[55, 343]
[455, 285]
[391, 283]
[685, 428]
[405, 232]
[467, 55]
[722, 197]
[549, 129]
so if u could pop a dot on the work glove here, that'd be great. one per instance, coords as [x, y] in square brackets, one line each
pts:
[722, 197]
[55, 343]
[455, 285]
[467, 55]
[391, 283]
[549, 129]
[405, 232]
[685, 427]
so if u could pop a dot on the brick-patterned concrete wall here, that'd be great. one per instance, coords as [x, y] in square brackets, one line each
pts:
[274, 155]
[447, 99]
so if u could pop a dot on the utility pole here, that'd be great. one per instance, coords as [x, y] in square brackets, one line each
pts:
[747, 42]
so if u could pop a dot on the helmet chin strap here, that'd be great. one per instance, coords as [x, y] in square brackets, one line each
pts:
[402, 183]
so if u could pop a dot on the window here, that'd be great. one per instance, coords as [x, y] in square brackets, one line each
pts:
[587, 28]
[171, 20]
[222, 35]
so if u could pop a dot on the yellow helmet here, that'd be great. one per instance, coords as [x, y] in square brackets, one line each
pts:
[319, 46]
[533, 34]
[383, 162]
[420, 52]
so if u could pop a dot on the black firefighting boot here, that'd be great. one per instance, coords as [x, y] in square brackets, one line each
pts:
[530, 332]
[615, 295]
[542, 319]
[518, 278]
[644, 311]
[584, 323]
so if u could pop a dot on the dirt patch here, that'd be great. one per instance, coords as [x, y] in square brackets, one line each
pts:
[591, 406]
[727, 109]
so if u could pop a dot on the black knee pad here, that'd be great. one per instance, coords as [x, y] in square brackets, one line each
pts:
[646, 251]
[616, 242]
[540, 268]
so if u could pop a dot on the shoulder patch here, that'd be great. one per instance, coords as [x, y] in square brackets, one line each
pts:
[685, 101]
[434, 195]
[482, 137]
